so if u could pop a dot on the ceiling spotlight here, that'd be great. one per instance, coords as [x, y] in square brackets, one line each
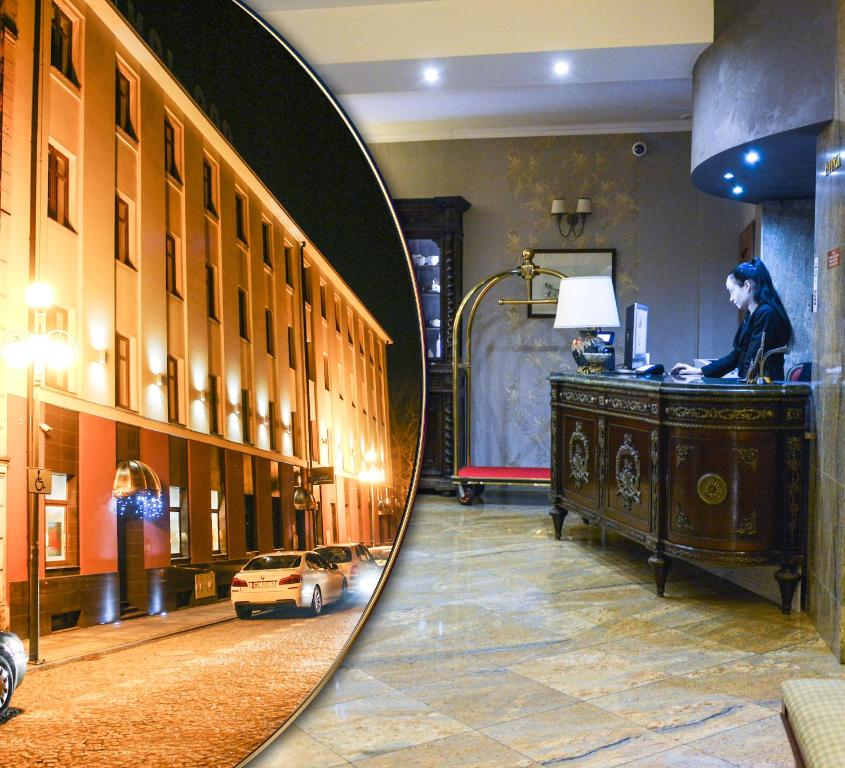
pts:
[728, 176]
[561, 68]
[752, 156]
[737, 190]
[431, 75]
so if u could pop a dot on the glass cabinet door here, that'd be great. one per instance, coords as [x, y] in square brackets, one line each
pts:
[425, 255]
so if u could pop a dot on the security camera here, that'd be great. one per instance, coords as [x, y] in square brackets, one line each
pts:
[639, 149]
[45, 427]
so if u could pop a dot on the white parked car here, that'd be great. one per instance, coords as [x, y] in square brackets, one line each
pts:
[293, 579]
[357, 564]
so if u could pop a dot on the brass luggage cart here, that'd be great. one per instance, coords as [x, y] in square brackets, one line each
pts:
[469, 478]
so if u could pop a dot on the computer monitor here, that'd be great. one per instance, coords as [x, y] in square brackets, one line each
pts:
[636, 335]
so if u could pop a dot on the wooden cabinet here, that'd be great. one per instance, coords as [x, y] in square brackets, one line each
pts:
[711, 471]
[433, 229]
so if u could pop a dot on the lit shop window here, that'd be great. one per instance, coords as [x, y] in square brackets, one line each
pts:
[216, 523]
[57, 521]
[178, 522]
[62, 38]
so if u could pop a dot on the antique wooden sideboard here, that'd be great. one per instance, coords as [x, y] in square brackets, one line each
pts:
[708, 470]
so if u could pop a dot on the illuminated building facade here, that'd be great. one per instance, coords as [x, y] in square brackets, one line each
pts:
[216, 344]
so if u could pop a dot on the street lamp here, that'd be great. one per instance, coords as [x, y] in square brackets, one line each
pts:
[37, 351]
[371, 473]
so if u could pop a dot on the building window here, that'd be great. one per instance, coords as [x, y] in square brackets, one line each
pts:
[291, 348]
[268, 332]
[337, 315]
[289, 266]
[243, 314]
[267, 243]
[122, 373]
[178, 521]
[216, 527]
[246, 422]
[323, 309]
[208, 188]
[271, 426]
[59, 522]
[171, 154]
[121, 231]
[58, 187]
[350, 324]
[361, 338]
[172, 388]
[211, 291]
[326, 377]
[123, 104]
[306, 283]
[214, 405]
[56, 320]
[240, 218]
[171, 265]
[61, 44]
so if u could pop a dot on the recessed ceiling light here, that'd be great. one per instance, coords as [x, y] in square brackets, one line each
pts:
[752, 156]
[561, 68]
[737, 190]
[431, 75]
[728, 176]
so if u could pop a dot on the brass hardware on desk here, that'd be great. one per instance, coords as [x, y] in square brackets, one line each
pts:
[712, 488]
[527, 301]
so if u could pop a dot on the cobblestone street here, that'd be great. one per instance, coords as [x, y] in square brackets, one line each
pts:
[204, 698]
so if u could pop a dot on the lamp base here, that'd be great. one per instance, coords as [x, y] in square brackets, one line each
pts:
[591, 354]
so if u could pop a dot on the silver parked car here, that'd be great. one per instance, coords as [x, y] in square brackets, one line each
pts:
[12, 667]
[293, 579]
[357, 564]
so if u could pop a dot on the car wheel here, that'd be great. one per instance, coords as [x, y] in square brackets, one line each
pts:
[7, 684]
[316, 602]
[243, 611]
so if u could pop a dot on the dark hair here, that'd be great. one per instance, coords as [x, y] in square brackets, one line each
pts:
[764, 289]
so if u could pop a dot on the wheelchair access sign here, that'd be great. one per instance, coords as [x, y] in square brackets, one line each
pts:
[39, 480]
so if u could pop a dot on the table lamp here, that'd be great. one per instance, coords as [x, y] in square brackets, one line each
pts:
[588, 304]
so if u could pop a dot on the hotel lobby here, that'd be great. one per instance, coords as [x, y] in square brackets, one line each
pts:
[494, 643]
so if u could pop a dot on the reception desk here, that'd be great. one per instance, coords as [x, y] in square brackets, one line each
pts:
[708, 470]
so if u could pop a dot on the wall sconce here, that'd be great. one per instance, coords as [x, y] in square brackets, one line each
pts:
[200, 395]
[159, 379]
[569, 222]
[235, 409]
[102, 356]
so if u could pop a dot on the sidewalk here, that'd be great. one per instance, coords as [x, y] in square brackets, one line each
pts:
[75, 644]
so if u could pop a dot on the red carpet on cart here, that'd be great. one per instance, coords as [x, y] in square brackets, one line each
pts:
[506, 473]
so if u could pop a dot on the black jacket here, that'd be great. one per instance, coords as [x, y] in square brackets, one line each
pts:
[747, 342]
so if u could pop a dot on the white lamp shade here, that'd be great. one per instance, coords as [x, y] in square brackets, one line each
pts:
[558, 206]
[584, 205]
[586, 302]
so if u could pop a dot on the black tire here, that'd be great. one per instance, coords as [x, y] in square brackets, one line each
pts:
[316, 602]
[465, 495]
[7, 684]
[243, 611]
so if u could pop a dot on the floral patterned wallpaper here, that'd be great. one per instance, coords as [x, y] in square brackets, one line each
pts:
[673, 249]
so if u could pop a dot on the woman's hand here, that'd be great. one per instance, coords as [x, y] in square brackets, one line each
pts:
[682, 369]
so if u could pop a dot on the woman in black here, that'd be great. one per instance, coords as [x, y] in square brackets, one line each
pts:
[750, 287]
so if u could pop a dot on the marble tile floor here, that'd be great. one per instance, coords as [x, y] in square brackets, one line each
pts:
[495, 645]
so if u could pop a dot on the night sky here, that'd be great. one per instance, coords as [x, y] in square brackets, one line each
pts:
[284, 126]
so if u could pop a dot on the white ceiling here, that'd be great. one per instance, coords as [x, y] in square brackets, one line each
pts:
[630, 63]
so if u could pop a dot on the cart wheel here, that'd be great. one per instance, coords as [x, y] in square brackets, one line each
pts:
[465, 494]
[479, 489]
